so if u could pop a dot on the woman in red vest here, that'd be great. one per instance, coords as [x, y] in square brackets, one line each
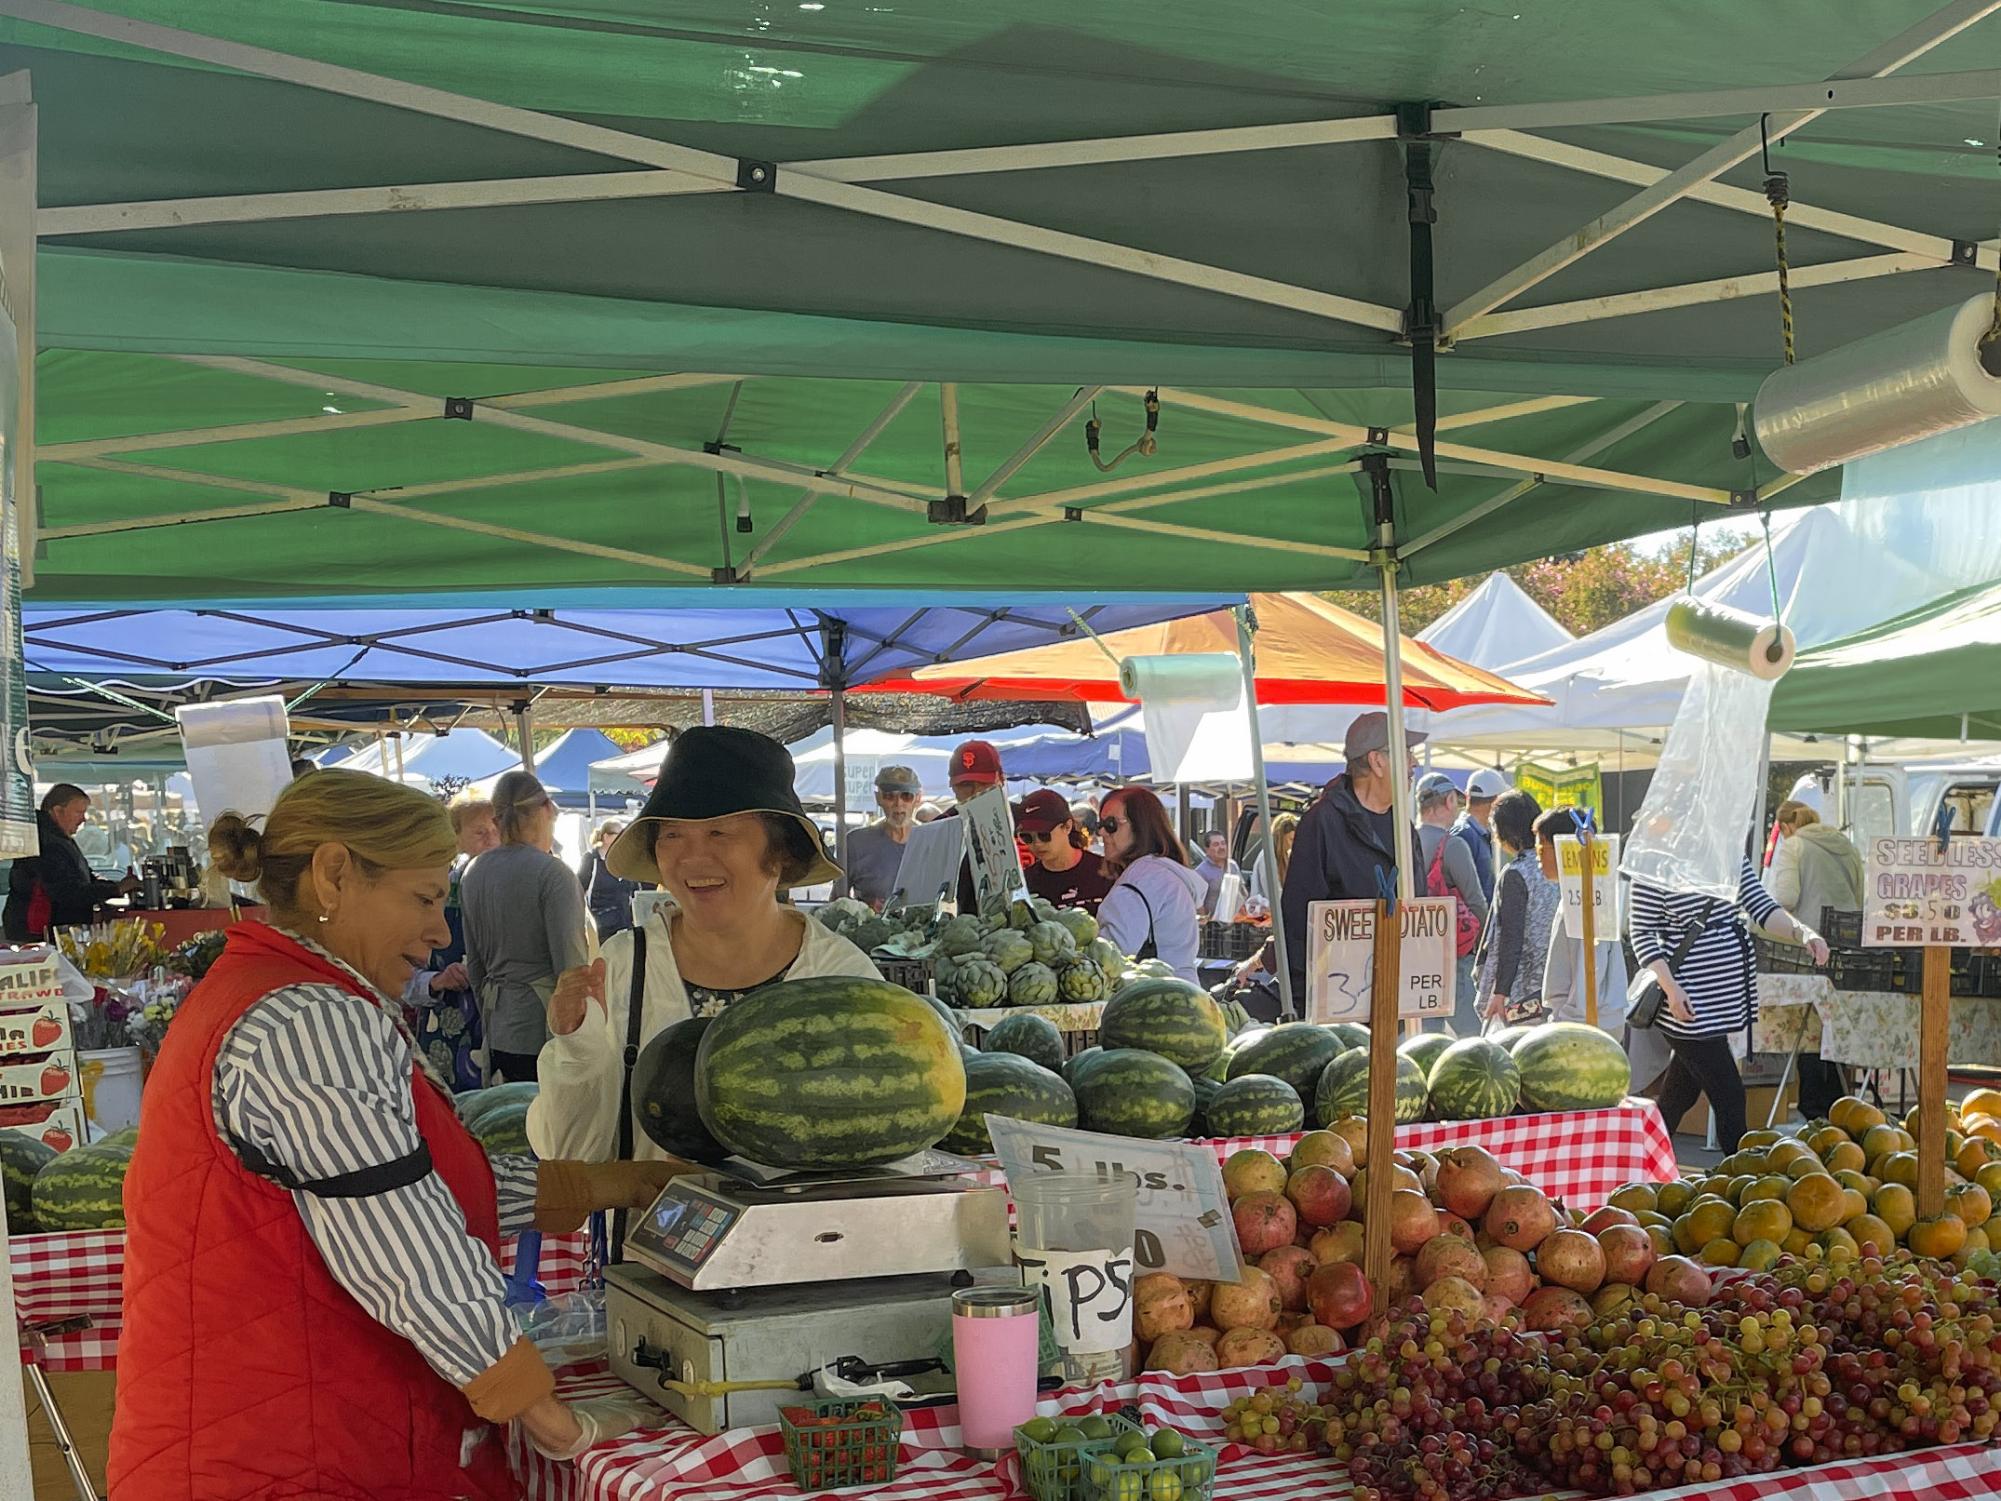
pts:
[313, 1305]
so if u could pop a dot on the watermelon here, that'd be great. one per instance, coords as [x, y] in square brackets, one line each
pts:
[1170, 1017]
[1254, 1105]
[1032, 985]
[1080, 982]
[1083, 927]
[832, 1072]
[1131, 1092]
[1076, 1061]
[947, 1015]
[1052, 944]
[82, 1189]
[1151, 969]
[1205, 1091]
[979, 984]
[1473, 1080]
[961, 936]
[1425, 1048]
[663, 1093]
[1507, 1037]
[1297, 1052]
[1344, 1089]
[1026, 1036]
[21, 1158]
[1013, 1086]
[1009, 949]
[503, 1130]
[1569, 1066]
[1241, 1041]
[1352, 1034]
[477, 1103]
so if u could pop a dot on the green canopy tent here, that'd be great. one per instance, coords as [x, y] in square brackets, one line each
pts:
[1933, 673]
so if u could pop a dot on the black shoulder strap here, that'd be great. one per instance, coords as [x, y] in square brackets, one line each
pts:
[635, 1001]
[1149, 949]
[1682, 948]
[363, 1183]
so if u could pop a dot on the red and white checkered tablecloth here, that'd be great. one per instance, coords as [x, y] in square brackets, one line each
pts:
[748, 1464]
[80, 1272]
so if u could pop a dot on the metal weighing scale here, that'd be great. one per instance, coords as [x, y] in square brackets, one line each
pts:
[745, 1275]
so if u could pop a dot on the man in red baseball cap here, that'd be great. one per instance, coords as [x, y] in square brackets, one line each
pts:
[1064, 872]
[975, 767]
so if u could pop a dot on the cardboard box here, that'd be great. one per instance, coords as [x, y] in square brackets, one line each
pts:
[28, 977]
[1758, 1105]
[58, 1124]
[42, 1030]
[33, 1080]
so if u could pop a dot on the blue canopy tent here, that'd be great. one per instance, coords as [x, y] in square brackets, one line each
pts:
[565, 767]
[463, 756]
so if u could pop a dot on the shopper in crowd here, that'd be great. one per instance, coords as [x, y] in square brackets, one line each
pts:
[312, 1237]
[1085, 816]
[1449, 869]
[976, 768]
[1476, 824]
[724, 833]
[1515, 948]
[1711, 991]
[928, 811]
[1814, 867]
[875, 853]
[1563, 994]
[1214, 865]
[1151, 910]
[439, 1004]
[524, 925]
[1064, 871]
[1285, 829]
[56, 888]
[608, 897]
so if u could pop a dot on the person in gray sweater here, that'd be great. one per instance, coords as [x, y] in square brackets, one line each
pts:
[1438, 804]
[524, 924]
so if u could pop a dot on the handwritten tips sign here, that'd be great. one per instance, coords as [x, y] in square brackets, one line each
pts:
[1341, 959]
[1089, 1293]
[1916, 893]
[990, 843]
[1604, 885]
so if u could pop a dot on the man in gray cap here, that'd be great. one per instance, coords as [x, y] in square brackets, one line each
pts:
[1346, 839]
[1476, 824]
[1446, 868]
[875, 852]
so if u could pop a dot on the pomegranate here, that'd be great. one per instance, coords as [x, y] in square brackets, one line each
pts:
[1319, 1195]
[1520, 1217]
[1412, 1220]
[1453, 1295]
[1242, 1347]
[1252, 1171]
[1403, 1277]
[1468, 1179]
[1265, 1221]
[1287, 1322]
[1606, 1218]
[1323, 1149]
[1449, 1256]
[1315, 1339]
[1182, 1353]
[1450, 1224]
[1554, 1307]
[1253, 1303]
[1342, 1242]
[1679, 1280]
[1401, 1178]
[1629, 1253]
[1355, 1131]
[1198, 1298]
[1160, 1306]
[1207, 1333]
[1339, 1295]
[1496, 1309]
[1289, 1267]
[1572, 1259]
[1508, 1274]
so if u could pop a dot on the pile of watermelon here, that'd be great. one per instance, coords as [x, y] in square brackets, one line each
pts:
[81, 1189]
[1024, 952]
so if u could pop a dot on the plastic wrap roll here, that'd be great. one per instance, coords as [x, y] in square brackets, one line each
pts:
[1891, 388]
[1730, 638]
[1193, 709]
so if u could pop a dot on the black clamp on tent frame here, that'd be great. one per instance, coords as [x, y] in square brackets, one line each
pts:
[340, 500]
[726, 574]
[1744, 500]
[1379, 503]
[951, 511]
[1420, 317]
[754, 176]
[458, 409]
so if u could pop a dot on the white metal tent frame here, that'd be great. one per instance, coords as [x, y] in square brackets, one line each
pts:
[668, 169]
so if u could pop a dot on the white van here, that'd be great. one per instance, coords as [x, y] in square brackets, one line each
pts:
[1886, 799]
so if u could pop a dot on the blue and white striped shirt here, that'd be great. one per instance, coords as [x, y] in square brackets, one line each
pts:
[1717, 972]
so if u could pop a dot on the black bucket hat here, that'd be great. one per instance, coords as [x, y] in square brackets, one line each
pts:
[711, 772]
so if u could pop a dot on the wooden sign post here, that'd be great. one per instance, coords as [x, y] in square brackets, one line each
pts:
[1589, 926]
[1382, 1120]
[1934, 1015]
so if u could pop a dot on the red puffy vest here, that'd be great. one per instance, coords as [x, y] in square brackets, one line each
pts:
[244, 1369]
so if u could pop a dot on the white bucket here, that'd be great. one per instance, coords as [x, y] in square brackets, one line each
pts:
[111, 1079]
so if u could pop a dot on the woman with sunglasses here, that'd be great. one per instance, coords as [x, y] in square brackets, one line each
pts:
[1064, 872]
[1150, 912]
[524, 925]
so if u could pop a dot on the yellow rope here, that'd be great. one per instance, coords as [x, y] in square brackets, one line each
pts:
[1775, 191]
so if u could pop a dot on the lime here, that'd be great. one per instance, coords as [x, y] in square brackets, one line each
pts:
[1096, 1426]
[1163, 1485]
[1169, 1444]
[1130, 1444]
[1039, 1430]
[1103, 1470]
[1127, 1485]
[1069, 1433]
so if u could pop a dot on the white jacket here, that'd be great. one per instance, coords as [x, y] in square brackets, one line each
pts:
[1171, 893]
[574, 1116]
[1563, 982]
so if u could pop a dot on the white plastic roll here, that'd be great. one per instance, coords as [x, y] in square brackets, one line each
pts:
[235, 722]
[1192, 705]
[1731, 638]
[1891, 388]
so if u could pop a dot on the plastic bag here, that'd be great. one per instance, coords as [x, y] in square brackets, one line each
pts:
[569, 1329]
[1689, 834]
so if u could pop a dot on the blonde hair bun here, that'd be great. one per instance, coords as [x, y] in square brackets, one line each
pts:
[236, 847]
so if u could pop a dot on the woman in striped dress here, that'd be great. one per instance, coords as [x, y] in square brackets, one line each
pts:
[1712, 991]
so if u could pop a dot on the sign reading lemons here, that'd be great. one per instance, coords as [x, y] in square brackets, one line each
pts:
[1606, 906]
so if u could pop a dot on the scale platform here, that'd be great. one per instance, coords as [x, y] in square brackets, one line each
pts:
[659, 1329]
[742, 1227]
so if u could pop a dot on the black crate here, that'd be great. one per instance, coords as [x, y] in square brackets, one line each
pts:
[1231, 940]
[1865, 969]
[911, 974]
[1842, 930]
[1782, 958]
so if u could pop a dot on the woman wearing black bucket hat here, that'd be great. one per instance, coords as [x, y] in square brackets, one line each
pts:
[723, 832]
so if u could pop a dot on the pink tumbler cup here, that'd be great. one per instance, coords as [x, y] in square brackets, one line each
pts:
[996, 1337]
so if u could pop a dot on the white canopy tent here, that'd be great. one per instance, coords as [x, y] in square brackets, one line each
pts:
[1497, 624]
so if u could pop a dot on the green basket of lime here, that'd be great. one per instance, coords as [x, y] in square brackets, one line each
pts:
[1111, 1458]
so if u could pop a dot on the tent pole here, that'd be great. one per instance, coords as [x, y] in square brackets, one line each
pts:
[840, 777]
[1288, 1007]
[524, 726]
[1764, 802]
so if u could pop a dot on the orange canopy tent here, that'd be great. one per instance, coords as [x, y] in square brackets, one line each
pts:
[1307, 650]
